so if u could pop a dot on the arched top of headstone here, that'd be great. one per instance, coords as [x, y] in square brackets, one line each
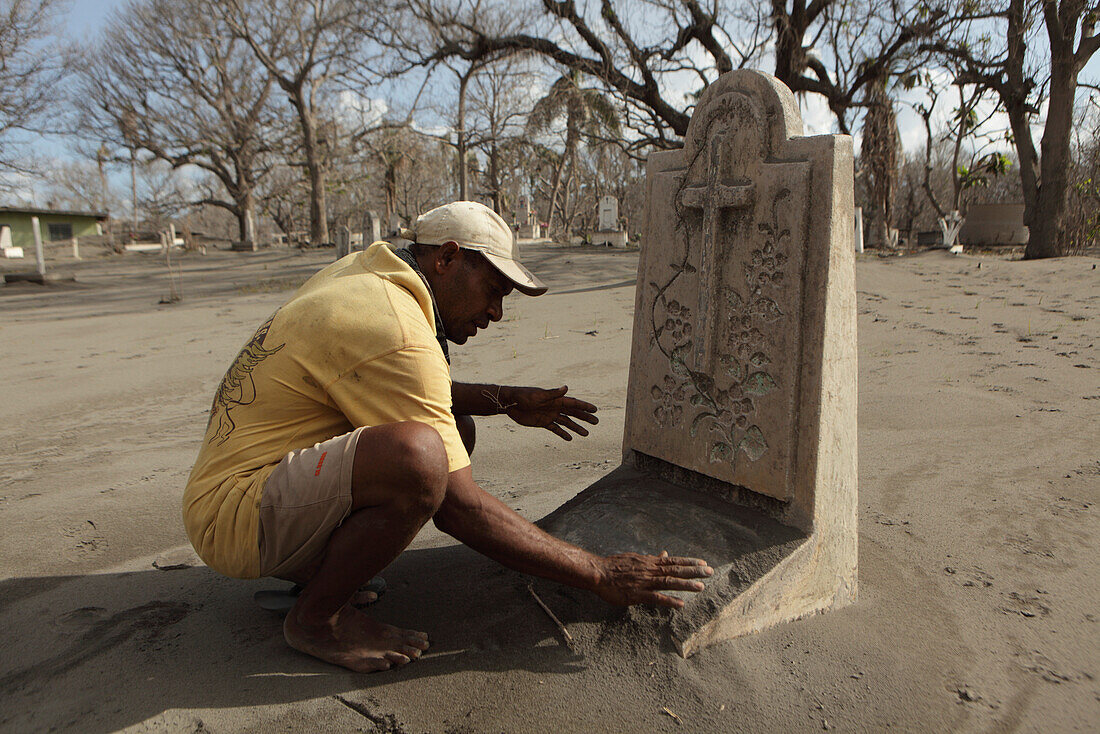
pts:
[751, 98]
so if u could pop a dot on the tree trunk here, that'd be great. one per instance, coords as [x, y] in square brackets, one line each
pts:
[494, 177]
[1046, 226]
[460, 127]
[246, 218]
[789, 29]
[318, 217]
[555, 187]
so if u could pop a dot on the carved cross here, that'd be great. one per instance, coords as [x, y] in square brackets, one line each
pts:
[712, 199]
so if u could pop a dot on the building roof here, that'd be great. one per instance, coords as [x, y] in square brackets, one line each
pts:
[55, 212]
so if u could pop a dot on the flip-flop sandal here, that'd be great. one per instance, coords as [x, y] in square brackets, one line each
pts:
[281, 600]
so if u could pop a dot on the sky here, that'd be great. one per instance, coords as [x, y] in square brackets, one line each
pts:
[87, 16]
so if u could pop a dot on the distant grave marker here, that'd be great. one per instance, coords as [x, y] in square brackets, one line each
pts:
[372, 228]
[608, 223]
[6, 248]
[343, 241]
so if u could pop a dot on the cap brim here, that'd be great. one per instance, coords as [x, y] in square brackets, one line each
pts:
[521, 277]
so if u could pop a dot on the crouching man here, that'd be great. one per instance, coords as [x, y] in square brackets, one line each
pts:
[337, 434]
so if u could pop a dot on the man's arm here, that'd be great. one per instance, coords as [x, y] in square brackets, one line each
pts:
[553, 409]
[487, 525]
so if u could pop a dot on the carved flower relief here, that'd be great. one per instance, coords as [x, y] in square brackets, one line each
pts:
[677, 323]
[669, 397]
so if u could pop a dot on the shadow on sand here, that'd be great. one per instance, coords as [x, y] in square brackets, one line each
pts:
[105, 651]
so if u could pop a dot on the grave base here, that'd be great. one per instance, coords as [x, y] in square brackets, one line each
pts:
[39, 278]
[611, 239]
[753, 586]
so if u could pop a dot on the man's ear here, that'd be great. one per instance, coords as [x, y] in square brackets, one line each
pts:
[446, 256]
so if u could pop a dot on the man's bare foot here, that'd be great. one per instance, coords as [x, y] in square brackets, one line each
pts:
[353, 640]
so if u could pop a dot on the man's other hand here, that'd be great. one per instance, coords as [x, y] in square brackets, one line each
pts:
[549, 409]
[631, 578]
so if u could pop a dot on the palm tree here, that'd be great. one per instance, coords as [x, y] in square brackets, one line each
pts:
[587, 113]
[879, 158]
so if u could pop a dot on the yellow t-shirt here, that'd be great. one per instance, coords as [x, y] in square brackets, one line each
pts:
[355, 346]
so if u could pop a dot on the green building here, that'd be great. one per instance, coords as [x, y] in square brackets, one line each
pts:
[56, 225]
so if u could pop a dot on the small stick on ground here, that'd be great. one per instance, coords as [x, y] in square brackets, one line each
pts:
[668, 711]
[564, 631]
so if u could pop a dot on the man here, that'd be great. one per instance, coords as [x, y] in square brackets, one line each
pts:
[333, 439]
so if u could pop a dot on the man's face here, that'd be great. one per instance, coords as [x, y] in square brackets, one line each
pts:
[472, 296]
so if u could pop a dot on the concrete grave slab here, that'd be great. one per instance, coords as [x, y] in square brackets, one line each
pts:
[343, 241]
[740, 437]
[608, 223]
[608, 214]
[6, 248]
[372, 228]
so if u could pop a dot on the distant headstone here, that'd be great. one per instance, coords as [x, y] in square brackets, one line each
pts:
[343, 241]
[740, 431]
[529, 226]
[6, 248]
[372, 228]
[858, 228]
[608, 214]
[608, 223]
[395, 224]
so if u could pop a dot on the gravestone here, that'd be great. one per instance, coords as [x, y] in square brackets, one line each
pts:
[343, 241]
[609, 213]
[6, 248]
[740, 434]
[395, 224]
[608, 223]
[372, 228]
[527, 219]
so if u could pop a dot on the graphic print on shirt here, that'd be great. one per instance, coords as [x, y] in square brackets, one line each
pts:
[238, 387]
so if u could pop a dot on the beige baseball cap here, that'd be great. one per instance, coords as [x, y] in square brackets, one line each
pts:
[474, 226]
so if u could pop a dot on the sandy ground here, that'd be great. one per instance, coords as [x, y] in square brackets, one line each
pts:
[979, 482]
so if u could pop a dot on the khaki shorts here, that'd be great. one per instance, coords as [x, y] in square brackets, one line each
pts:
[304, 500]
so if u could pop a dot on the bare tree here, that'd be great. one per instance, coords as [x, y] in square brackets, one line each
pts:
[972, 152]
[189, 93]
[840, 49]
[613, 54]
[30, 71]
[500, 102]
[80, 184]
[1024, 73]
[307, 46]
[635, 48]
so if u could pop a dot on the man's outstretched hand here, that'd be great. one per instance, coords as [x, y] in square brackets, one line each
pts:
[549, 409]
[631, 578]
